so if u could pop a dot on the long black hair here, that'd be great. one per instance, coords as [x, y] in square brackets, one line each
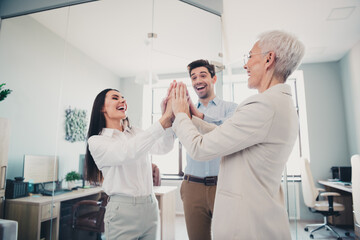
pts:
[97, 123]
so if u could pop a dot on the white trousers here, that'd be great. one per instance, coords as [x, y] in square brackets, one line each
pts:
[132, 218]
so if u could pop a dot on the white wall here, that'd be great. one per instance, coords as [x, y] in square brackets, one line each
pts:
[326, 118]
[133, 93]
[326, 122]
[350, 74]
[45, 80]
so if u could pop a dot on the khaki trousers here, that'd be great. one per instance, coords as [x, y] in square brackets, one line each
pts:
[198, 201]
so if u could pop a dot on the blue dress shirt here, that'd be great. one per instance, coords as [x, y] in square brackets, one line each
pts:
[217, 111]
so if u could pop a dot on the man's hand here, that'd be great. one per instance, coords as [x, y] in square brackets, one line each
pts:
[180, 100]
[194, 111]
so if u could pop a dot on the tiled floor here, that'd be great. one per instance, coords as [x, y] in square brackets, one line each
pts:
[298, 232]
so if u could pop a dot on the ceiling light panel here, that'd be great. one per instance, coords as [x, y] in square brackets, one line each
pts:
[340, 13]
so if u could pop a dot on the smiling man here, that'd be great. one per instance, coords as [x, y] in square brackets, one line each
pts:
[199, 185]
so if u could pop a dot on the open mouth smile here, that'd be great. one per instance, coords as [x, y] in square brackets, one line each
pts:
[200, 87]
[121, 108]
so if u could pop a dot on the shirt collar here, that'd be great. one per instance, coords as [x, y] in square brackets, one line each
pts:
[215, 101]
[109, 132]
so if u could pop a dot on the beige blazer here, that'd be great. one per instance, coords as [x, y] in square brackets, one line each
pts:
[254, 144]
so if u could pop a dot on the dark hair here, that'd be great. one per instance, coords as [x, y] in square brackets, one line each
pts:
[97, 123]
[202, 63]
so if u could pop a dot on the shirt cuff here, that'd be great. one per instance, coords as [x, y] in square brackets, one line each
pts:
[207, 119]
[180, 116]
[157, 130]
[169, 132]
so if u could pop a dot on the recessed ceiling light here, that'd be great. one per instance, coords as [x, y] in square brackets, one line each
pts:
[340, 13]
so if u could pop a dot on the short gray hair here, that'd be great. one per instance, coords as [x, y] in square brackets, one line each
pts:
[288, 51]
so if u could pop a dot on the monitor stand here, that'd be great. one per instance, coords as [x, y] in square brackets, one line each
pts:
[37, 188]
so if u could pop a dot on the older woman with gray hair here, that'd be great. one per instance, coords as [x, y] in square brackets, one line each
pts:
[255, 143]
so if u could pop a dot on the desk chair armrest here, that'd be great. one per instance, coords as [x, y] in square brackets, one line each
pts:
[320, 191]
[328, 194]
[86, 202]
[330, 197]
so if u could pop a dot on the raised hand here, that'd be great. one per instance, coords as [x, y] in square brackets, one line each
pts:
[193, 110]
[167, 97]
[180, 99]
[166, 108]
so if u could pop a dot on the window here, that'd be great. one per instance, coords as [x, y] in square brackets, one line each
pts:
[234, 89]
[174, 162]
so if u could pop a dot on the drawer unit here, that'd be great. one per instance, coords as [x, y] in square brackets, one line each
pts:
[46, 211]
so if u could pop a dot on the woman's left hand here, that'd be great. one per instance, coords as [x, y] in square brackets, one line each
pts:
[165, 100]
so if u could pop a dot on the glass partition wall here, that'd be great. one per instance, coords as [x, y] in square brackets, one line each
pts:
[32, 66]
[57, 61]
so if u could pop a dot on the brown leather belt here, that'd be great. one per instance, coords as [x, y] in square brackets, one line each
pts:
[208, 181]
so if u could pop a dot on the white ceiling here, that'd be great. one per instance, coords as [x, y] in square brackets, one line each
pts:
[325, 39]
[114, 33]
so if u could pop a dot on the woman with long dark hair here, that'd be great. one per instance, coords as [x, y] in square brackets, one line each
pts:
[117, 157]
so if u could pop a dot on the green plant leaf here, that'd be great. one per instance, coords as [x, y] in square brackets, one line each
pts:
[4, 93]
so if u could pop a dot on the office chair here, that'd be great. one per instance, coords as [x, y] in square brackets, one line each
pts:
[355, 183]
[311, 198]
[156, 175]
[93, 220]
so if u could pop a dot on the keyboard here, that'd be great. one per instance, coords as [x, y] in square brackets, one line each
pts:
[56, 192]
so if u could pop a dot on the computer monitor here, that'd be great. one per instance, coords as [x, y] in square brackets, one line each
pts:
[81, 164]
[40, 169]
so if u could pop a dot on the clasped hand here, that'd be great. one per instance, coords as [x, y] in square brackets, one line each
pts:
[178, 100]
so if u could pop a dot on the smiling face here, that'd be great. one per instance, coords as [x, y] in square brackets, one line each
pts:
[203, 83]
[114, 108]
[255, 67]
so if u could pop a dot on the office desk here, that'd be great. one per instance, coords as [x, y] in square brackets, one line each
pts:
[36, 213]
[166, 198]
[336, 185]
[346, 217]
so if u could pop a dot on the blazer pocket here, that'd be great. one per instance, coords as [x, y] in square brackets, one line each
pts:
[226, 211]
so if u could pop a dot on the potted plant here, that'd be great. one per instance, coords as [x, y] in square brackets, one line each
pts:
[4, 93]
[71, 178]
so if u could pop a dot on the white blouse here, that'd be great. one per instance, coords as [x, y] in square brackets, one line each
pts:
[122, 157]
